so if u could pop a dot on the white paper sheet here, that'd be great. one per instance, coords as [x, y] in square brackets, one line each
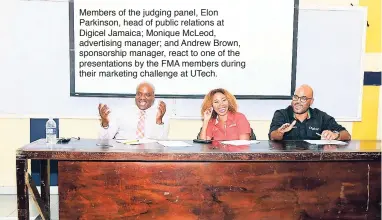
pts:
[323, 142]
[174, 144]
[134, 142]
[240, 142]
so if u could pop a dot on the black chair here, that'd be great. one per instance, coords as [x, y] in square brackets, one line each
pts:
[251, 137]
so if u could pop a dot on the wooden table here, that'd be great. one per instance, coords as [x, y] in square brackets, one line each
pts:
[266, 180]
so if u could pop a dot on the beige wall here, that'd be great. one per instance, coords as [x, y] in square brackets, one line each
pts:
[14, 134]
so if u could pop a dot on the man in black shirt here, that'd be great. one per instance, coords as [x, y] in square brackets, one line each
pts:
[301, 122]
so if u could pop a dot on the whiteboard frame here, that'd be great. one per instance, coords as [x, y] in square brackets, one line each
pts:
[183, 96]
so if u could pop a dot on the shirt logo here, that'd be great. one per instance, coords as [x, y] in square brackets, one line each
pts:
[314, 129]
[232, 125]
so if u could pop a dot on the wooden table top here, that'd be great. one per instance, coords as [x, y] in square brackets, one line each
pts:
[88, 149]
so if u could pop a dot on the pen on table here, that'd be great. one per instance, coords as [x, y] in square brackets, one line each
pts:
[321, 136]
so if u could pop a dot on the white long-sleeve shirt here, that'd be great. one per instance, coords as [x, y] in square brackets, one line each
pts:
[123, 124]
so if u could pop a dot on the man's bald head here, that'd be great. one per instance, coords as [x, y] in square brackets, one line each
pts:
[302, 99]
[145, 95]
[146, 84]
[304, 90]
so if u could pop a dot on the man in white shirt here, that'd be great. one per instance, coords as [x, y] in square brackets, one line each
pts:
[146, 122]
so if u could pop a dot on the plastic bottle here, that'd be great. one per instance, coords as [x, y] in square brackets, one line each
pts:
[51, 131]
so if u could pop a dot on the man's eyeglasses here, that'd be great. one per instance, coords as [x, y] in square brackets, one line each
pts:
[303, 99]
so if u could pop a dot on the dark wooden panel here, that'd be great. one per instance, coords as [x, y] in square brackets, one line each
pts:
[183, 190]
[22, 189]
[45, 184]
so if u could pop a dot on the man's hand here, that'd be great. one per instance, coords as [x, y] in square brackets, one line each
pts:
[104, 112]
[161, 112]
[286, 127]
[329, 135]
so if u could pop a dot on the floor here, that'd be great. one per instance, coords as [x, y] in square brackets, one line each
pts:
[8, 207]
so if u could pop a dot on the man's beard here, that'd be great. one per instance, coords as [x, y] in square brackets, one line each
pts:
[300, 113]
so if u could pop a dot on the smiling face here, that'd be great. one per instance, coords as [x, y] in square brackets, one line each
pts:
[302, 99]
[221, 101]
[220, 104]
[144, 97]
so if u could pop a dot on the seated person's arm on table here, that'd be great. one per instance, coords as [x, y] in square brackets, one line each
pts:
[331, 125]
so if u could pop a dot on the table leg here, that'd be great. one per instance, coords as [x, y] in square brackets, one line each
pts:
[22, 189]
[45, 184]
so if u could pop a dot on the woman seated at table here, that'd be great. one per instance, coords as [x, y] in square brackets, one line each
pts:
[221, 121]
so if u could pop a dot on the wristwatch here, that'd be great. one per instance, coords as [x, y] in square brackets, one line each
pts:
[104, 127]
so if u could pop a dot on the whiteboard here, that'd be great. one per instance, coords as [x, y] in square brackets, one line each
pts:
[105, 56]
[36, 69]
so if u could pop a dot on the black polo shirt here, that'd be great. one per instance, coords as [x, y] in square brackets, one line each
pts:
[317, 122]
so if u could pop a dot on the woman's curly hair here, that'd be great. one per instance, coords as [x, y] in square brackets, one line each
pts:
[208, 99]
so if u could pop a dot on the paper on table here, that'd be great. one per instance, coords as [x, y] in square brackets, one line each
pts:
[240, 142]
[147, 141]
[322, 142]
[132, 142]
[174, 144]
